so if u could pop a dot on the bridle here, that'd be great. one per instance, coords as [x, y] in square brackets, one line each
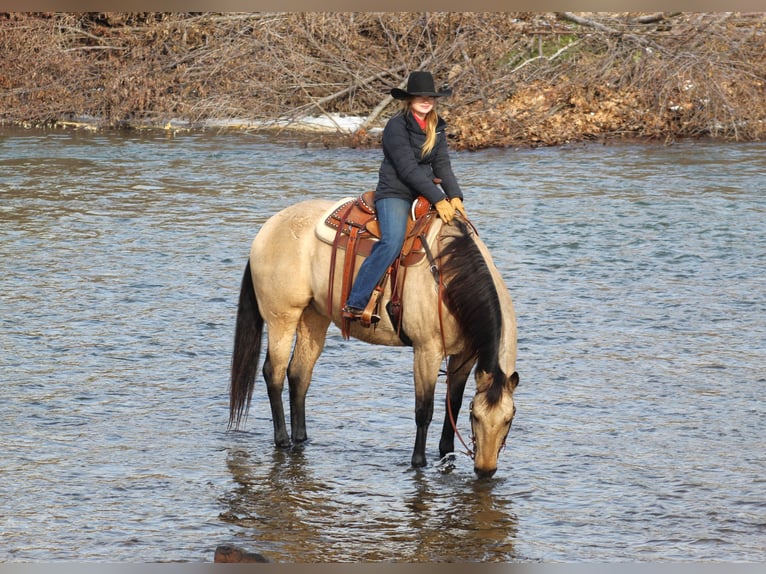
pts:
[471, 451]
[436, 272]
[468, 451]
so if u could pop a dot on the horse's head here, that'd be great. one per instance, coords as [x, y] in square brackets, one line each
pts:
[491, 417]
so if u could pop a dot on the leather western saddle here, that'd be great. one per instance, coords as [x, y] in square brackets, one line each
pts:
[356, 230]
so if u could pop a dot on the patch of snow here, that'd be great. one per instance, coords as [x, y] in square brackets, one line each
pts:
[335, 123]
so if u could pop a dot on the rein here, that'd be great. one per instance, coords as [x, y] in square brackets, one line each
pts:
[437, 273]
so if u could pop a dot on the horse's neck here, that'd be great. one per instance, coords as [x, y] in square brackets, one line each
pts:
[507, 354]
[508, 343]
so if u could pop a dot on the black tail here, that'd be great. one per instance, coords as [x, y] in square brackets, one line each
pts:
[247, 350]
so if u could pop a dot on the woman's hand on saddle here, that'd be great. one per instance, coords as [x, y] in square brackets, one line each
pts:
[457, 203]
[445, 210]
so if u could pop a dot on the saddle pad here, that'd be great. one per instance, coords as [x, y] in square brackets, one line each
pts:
[324, 231]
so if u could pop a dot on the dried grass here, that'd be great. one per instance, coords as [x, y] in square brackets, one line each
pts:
[518, 78]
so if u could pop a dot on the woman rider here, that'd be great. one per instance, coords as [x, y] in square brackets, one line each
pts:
[415, 157]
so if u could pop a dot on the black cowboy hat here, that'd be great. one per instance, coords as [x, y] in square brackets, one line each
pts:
[420, 84]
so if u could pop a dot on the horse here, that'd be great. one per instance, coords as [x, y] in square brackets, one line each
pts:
[455, 305]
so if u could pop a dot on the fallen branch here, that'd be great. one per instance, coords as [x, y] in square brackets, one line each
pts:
[586, 22]
[356, 86]
[377, 110]
[654, 18]
[90, 48]
[547, 58]
[611, 31]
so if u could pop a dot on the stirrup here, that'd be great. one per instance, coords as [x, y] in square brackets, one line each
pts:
[354, 314]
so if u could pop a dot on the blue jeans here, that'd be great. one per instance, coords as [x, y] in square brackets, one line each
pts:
[392, 217]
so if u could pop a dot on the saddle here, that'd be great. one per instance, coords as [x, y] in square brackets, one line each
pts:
[353, 227]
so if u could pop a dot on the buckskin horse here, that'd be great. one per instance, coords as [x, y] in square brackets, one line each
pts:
[453, 303]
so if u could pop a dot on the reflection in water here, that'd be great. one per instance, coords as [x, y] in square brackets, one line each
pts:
[273, 500]
[467, 521]
[290, 515]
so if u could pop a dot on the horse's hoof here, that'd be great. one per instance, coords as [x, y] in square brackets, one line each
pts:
[418, 461]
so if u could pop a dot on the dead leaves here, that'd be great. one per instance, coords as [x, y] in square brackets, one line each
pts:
[513, 84]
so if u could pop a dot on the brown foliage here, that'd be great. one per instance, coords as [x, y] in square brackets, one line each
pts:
[518, 78]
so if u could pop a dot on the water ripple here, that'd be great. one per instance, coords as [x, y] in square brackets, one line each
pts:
[636, 273]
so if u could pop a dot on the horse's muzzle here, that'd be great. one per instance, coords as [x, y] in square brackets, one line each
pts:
[484, 473]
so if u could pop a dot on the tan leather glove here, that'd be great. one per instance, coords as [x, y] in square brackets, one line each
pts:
[457, 203]
[445, 210]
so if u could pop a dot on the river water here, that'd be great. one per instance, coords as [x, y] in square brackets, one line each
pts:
[638, 277]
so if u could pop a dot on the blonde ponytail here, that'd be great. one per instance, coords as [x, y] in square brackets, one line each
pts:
[428, 145]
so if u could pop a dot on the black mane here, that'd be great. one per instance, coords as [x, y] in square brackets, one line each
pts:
[471, 296]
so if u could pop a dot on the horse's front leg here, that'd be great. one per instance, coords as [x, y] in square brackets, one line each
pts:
[426, 371]
[458, 368]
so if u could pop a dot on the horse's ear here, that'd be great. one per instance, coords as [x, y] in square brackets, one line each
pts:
[483, 380]
[513, 380]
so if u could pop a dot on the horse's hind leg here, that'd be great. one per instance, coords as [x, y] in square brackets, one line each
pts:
[458, 367]
[274, 369]
[312, 331]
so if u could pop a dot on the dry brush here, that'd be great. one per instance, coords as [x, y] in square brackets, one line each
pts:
[518, 78]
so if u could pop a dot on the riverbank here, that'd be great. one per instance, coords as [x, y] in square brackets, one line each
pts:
[519, 79]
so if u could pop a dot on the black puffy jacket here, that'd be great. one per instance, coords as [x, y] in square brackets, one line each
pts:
[404, 173]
